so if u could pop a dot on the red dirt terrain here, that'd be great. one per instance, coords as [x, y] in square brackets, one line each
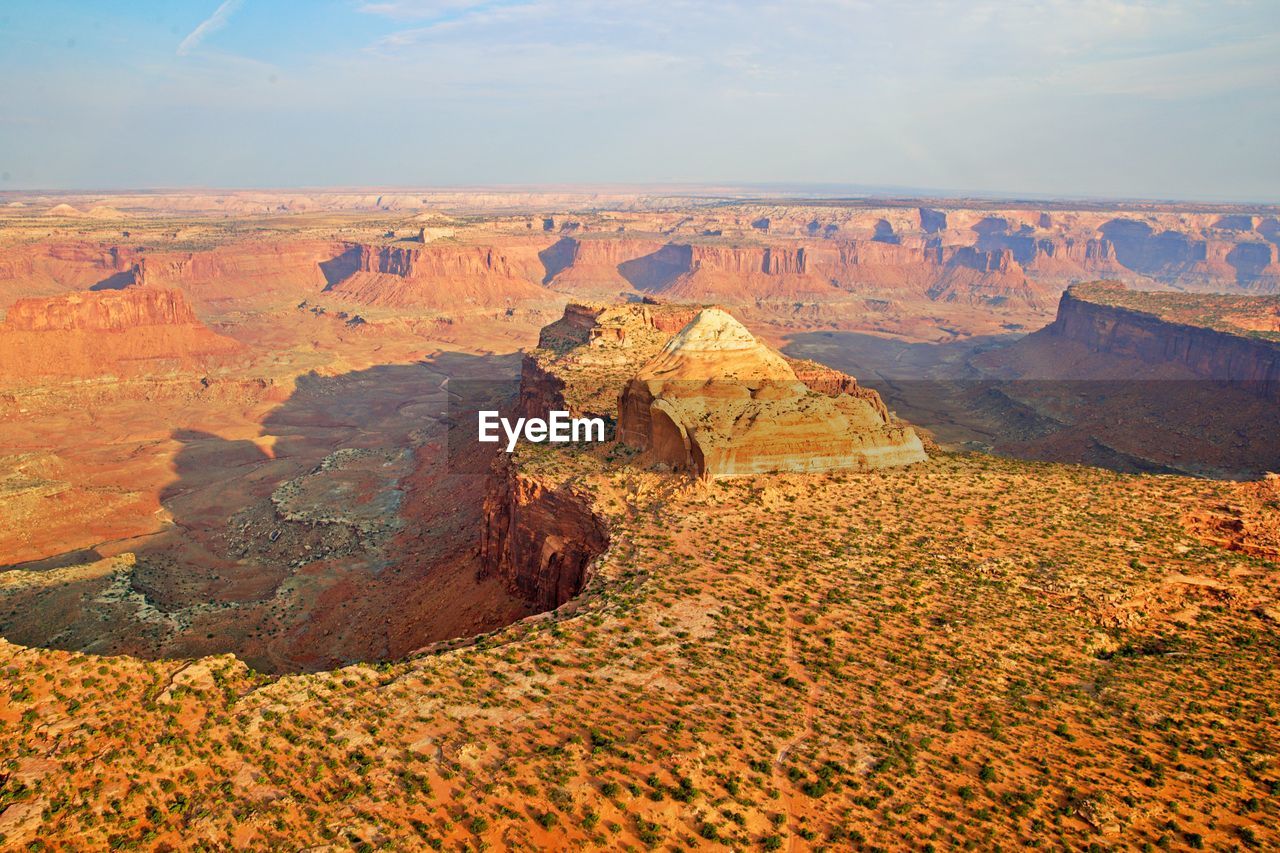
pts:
[260, 589]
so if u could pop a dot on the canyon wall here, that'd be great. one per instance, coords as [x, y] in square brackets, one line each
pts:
[541, 391]
[539, 538]
[127, 332]
[45, 269]
[592, 267]
[445, 277]
[104, 311]
[1207, 353]
[830, 271]
[740, 254]
[248, 273]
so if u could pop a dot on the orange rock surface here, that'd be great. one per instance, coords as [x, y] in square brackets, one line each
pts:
[121, 332]
[717, 403]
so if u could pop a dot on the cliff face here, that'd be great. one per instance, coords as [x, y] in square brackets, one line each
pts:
[833, 383]
[106, 310]
[716, 403]
[249, 272]
[540, 540]
[449, 261]
[447, 277]
[1207, 353]
[592, 267]
[541, 391]
[829, 270]
[240, 270]
[132, 332]
[47, 269]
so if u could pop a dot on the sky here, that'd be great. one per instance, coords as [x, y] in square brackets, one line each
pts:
[1178, 99]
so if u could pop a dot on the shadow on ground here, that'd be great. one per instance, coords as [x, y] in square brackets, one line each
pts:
[1202, 428]
[344, 532]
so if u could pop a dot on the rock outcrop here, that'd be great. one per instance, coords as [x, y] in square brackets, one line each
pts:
[1247, 521]
[541, 540]
[1087, 315]
[111, 332]
[602, 345]
[716, 403]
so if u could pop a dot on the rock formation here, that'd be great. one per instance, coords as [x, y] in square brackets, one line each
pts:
[603, 346]
[1097, 317]
[1138, 381]
[121, 332]
[1248, 520]
[248, 272]
[717, 403]
[539, 538]
[101, 311]
[592, 267]
[443, 277]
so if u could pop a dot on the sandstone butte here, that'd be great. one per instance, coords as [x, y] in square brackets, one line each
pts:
[717, 403]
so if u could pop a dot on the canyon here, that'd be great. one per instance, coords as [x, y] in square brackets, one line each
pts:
[897, 505]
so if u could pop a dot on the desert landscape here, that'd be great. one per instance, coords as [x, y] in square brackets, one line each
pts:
[920, 523]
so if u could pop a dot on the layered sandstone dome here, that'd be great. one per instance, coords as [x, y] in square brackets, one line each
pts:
[717, 403]
[716, 346]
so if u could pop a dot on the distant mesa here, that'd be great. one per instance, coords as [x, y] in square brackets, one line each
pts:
[444, 277]
[133, 331]
[101, 311]
[1105, 330]
[717, 403]
[1149, 381]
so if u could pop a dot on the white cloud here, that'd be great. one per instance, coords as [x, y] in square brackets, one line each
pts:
[208, 26]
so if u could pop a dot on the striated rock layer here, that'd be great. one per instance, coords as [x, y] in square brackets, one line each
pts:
[717, 403]
[112, 332]
[1087, 315]
[443, 277]
[102, 311]
[539, 538]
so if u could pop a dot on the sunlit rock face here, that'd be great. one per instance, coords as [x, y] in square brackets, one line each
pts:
[717, 403]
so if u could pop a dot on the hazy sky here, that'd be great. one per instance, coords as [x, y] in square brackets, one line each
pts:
[1177, 99]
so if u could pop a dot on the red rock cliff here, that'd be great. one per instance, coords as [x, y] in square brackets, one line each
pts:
[445, 277]
[101, 310]
[135, 331]
[1208, 353]
[541, 540]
